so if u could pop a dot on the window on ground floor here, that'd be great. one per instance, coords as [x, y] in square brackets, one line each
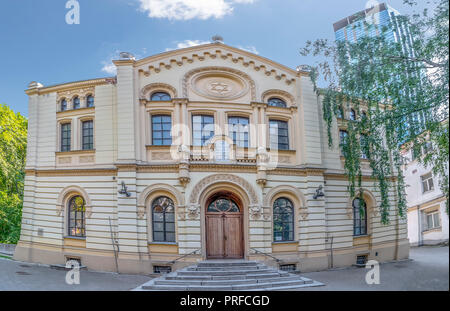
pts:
[283, 220]
[163, 220]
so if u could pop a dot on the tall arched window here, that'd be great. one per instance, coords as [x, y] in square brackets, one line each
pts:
[63, 105]
[163, 220]
[76, 217]
[352, 115]
[90, 101]
[340, 113]
[76, 103]
[283, 220]
[277, 102]
[160, 96]
[359, 217]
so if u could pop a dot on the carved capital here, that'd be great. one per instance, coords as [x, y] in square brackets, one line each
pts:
[193, 211]
[141, 211]
[303, 212]
[255, 212]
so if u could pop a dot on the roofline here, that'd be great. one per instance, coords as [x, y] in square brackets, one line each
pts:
[351, 18]
[162, 55]
[69, 85]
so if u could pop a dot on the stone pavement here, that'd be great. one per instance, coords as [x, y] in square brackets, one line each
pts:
[428, 270]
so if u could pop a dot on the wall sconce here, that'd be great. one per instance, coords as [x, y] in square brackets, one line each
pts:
[319, 193]
[124, 190]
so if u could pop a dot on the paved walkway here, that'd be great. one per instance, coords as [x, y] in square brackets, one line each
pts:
[428, 270]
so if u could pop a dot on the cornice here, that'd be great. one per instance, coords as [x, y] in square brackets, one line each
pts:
[218, 46]
[70, 86]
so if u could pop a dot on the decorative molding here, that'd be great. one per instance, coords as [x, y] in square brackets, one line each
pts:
[69, 192]
[71, 93]
[71, 85]
[217, 178]
[255, 212]
[370, 200]
[278, 93]
[297, 193]
[219, 71]
[142, 198]
[194, 211]
[150, 88]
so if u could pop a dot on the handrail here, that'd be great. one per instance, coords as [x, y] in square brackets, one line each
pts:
[266, 254]
[185, 255]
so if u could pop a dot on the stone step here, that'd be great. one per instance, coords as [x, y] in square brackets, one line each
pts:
[223, 282]
[223, 263]
[227, 268]
[235, 276]
[225, 273]
[251, 286]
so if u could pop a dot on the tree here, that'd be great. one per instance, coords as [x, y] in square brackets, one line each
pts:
[13, 144]
[404, 97]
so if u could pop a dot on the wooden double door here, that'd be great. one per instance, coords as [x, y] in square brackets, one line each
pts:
[224, 228]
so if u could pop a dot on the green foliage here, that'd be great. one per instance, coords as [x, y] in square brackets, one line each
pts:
[393, 88]
[10, 217]
[13, 144]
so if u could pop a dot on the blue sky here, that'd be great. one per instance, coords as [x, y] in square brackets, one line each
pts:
[38, 45]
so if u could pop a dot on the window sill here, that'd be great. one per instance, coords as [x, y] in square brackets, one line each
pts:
[158, 146]
[361, 236]
[75, 238]
[75, 152]
[437, 229]
[70, 111]
[284, 242]
[162, 243]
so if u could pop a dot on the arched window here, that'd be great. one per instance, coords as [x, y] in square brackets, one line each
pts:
[222, 205]
[76, 103]
[160, 97]
[76, 217]
[163, 220]
[63, 105]
[352, 115]
[277, 102]
[359, 217]
[283, 220]
[90, 101]
[340, 113]
[363, 115]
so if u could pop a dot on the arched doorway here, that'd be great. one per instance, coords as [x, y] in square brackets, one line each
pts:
[224, 226]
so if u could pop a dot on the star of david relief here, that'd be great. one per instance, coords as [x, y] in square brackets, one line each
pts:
[219, 88]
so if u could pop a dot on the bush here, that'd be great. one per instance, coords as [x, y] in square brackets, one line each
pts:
[10, 218]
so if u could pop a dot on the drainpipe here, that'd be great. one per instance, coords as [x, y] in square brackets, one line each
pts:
[419, 224]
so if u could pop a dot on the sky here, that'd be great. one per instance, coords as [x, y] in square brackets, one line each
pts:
[37, 44]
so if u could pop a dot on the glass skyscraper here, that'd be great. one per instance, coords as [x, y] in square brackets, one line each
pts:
[384, 20]
[380, 16]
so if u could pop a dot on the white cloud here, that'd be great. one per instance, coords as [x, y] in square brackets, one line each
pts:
[188, 43]
[109, 67]
[189, 9]
[250, 49]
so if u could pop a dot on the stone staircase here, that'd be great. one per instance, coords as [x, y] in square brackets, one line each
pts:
[228, 275]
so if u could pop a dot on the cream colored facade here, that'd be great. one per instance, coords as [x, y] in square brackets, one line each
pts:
[216, 80]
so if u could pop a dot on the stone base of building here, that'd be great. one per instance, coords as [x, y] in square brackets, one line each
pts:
[132, 263]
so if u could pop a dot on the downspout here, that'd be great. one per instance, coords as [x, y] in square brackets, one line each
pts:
[419, 224]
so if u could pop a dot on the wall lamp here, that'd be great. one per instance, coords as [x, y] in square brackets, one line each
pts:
[319, 193]
[124, 190]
